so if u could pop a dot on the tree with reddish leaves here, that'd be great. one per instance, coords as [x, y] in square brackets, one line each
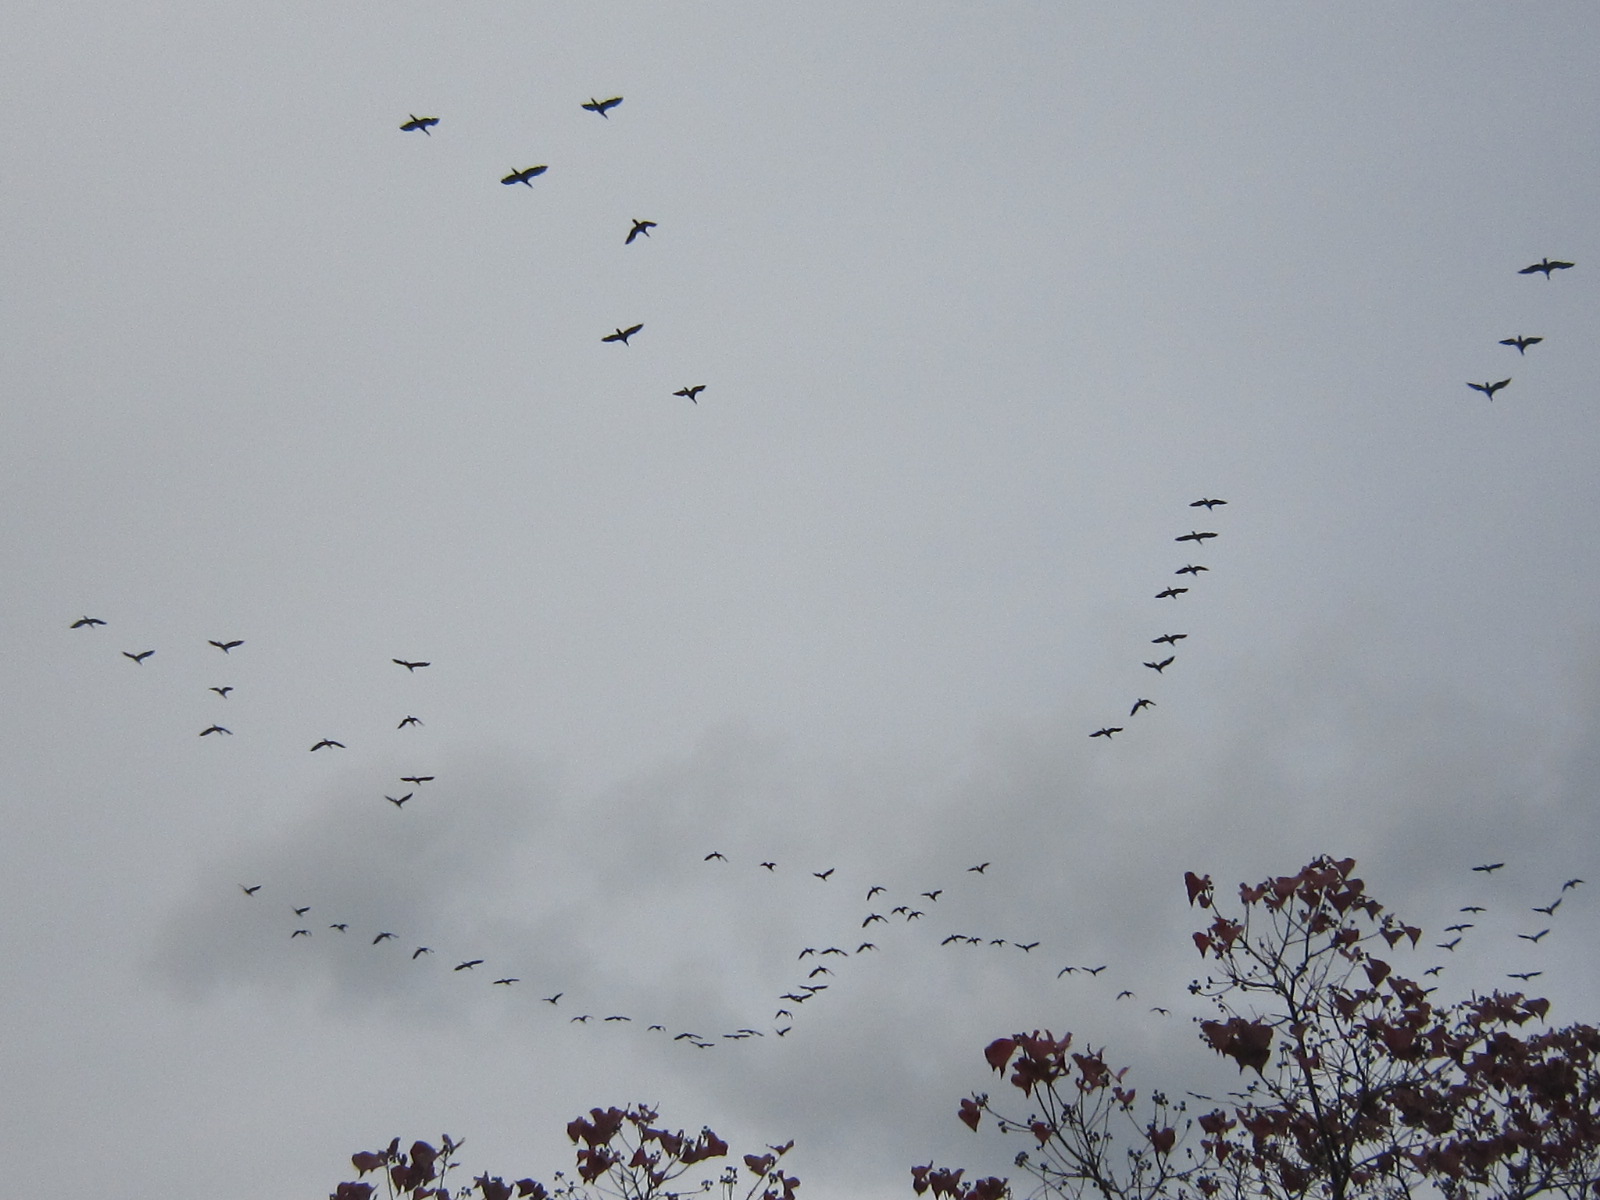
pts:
[622, 1155]
[1360, 1085]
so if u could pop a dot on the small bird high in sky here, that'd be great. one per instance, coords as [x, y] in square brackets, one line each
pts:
[526, 174]
[1488, 389]
[639, 227]
[603, 107]
[622, 335]
[1545, 266]
[1521, 343]
[422, 123]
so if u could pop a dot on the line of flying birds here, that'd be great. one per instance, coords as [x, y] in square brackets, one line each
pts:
[1169, 641]
[1543, 267]
[526, 175]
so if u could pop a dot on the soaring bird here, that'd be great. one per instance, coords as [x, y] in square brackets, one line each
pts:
[1191, 569]
[1170, 593]
[138, 658]
[1549, 910]
[718, 854]
[1524, 975]
[1025, 947]
[341, 926]
[421, 123]
[823, 875]
[416, 779]
[81, 622]
[933, 895]
[1451, 944]
[215, 729]
[1171, 639]
[399, 802]
[871, 917]
[1533, 937]
[226, 646]
[408, 721]
[299, 933]
[1473, 908]
[1489, 868]
[771, 866]
[420, 951]
[602, 107]
[409, 666]
[251, 890]
[325, 743]
[302, 910]
[1521, 343]
[1161, 666]
[1545, 265]
[622, 335]
[1193, 536]
[1106, 731]
[980, 868]
[468, 965]
[552, 999]
[381, 937]
[508, 980]
[222, 691]
[1571, 883]
[1206, 503]
[1488, 389]
[1141, 703]
[526, 175]
[639, 227]
[875, 889]
[689, 393]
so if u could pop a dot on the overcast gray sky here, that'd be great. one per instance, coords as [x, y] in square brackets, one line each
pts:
[982, 297]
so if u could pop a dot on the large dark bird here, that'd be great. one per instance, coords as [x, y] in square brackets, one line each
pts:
[1107, 731]
[1545, 265]
[222, 691]
[215, 729]
[419, 780]
[823, 875]
[1191, 569]
[226, 646]
[251, 890]
[980, 868]
[1533, 937]
[1488, 389]
[1521, 343]
[410, 666]
[138, 658]
[1161, 666]
[622, 335]
[326, 743]
[381, 937]
[526, 174]
[89, 621]
[401, 801]
[420, 951]
[408, 721]
[1170, 593]
[1195, 536]
[1141, 703]
[468, 965]
[1489, 868]
[1171, 639]
[602, 107]
[422, 123]
[1206, 502]
[639, 227]
[689, 393]
[1549, 910]
[718, 854]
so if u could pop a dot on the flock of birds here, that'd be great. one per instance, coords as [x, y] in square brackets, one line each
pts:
[1543, 267]
[526, 176]
[1168, 642]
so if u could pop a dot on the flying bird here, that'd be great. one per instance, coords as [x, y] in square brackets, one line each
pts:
[1524, 975]
[771, 866]
[408, 721]
[1450, 945]
[1025, 947]
[1159, 667]
[381, 937]
[420, 951]
[468, 965]
[1141, 703]
[1171, 639]
[299, 933]
[341, 926]
[934, 895]
[1571, 883]
[251, 890]
[302, 910]
[81, 622]
[1521, 343]
[327, 742]
[1206, 503]
[875, 889]
[1545, 265]
[622, 335]
[421, 123]
[409, 666]
[871, 917]
[639, 227]
[1488, 869]
[865, 946]
[715, 854]
[980, 868]
[689, 393]
[526, 175]
[1549, 910]
[215, 729]
[1106, 731]
[138, 658]
[1193, 536]
[222, 691]
[602, 107]
[823, 875]
[1094, 970]
[1488, 389]
[227, 646]
[552, 999]
[1190, 569]
[508, 980]
[400, 801]
[1533, 937]
[416, 779]
[579, 1020]
[1170, 593]
[1473, 908]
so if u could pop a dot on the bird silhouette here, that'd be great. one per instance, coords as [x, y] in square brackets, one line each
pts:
[422, 123]
[1170, 593]
[222, 691]
[302, 910]
[602, 107]
[509, 979]
[622, 335]
[467, 965]
[1141, 703]
[933, 895]
[823, 875]
[138, 658]
[865, 946]
[382, 937]
[1472, 908]
[227, 646]
[689, 393]
[715, 854]
[1489, 868]
[251, 889]
[875, 889]
[420, 951]
[409, 666]
[327, 743]
[1488, 389]
[1206, 503]
[1524, 975]
[526, 175]
[1451, 944]
[416, 779]
[89, 622]
[1094, 970]
[300, 933]
[979, 869]
[1571, 883]
[871, 917]
[1025, 947]
[399, 801]
[639, 227]
[1533, 937]
[1171, 639]
[1190, 569]
[1159, 667]
[341, 926]
[1521, 343]
[771, 866]
[1107, 731]
[1549, 910]
[215, 729]
[552, 999]
[1545, 265]
[1194, 536]
[408, 721]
